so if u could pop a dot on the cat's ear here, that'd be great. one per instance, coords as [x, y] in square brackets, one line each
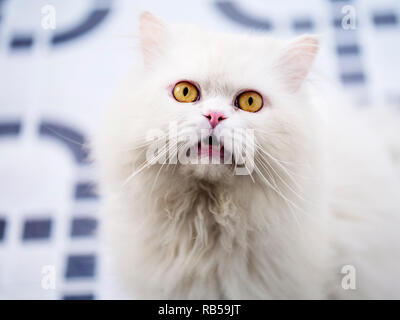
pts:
[296, 60]
[152, 36]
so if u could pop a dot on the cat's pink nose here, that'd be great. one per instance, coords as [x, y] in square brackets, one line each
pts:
[215, 117]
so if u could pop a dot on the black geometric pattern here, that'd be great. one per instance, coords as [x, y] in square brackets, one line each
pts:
[37, 229]
[83, 227]
[2, 229]
[81, 266]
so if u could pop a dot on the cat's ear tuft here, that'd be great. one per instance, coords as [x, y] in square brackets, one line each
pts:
[152, 36]
[296, 60]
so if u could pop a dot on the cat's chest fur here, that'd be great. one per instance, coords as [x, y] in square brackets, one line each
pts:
[202, 240]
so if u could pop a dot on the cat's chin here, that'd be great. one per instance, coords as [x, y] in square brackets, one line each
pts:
[209, 172]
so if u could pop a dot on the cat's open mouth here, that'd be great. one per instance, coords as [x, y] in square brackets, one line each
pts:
[209, 147]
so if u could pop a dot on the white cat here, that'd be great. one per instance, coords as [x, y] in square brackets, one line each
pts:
[322, 193]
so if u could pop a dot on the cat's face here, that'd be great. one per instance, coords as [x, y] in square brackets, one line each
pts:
[233, 96]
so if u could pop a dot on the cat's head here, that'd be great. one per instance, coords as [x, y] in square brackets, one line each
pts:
[217, 89]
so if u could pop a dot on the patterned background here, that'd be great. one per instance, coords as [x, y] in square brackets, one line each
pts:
[54, 84]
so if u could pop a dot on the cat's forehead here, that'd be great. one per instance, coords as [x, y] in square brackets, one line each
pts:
[221, 62]
[214, 47]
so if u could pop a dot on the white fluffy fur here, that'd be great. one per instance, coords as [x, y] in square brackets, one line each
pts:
[197, 231]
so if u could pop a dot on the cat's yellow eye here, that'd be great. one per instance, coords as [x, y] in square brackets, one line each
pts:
[249, 101]
[185, 92]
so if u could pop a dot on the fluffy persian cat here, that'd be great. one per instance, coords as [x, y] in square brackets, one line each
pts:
[313, 210]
